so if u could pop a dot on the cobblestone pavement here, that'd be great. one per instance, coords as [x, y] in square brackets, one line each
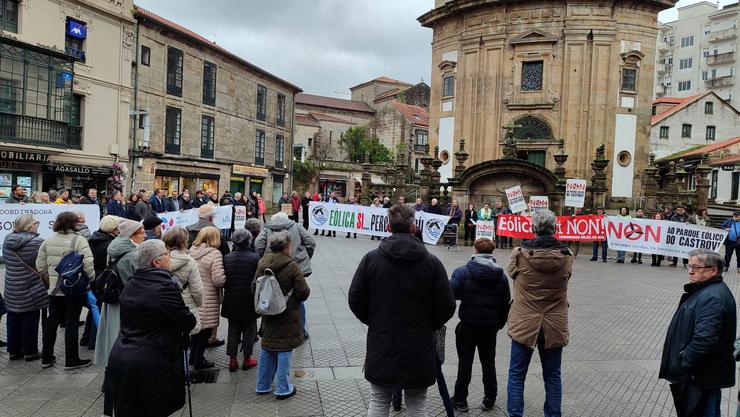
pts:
[618, 319]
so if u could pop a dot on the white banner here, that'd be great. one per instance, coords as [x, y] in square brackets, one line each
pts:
[240, 217]
[539, 202]
[485, 229]
[352, 218]
[46, 214]
[575, 193]
[222, 218]
[661, 237]
[516, 199]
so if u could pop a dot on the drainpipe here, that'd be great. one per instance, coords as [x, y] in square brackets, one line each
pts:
[292, 142]
[132, 119]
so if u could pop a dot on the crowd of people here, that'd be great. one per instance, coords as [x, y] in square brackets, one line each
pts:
[175, 285]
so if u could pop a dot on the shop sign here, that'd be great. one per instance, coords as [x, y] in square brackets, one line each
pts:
[78, 170]
[24, 156]
[728, 167]
[76, 29]
[247, 170]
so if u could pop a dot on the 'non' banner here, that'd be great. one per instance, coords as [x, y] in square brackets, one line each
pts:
[485, 229]
[351, 218]
[570, 228]
[660, 237]
[46, 214]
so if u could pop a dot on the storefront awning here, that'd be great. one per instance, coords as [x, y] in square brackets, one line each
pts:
[374, 179]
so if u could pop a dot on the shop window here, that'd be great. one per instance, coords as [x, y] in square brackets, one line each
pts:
[664, 132]
[280, 110]
[711, 130]
[629, 79]
[279, 151]
[448, 86]
[174, 71]
[261, 102]
[686, 130]
[74, 39]
[209, 83]
[9, 18]
[532, 75]
[259, 148]
[709, 107]
[146, 55]
[207, 128]
[172, 130]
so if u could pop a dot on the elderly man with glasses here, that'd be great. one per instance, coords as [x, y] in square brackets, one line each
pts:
[698, 351]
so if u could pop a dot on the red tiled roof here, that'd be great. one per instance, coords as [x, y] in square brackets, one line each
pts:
[414, 114]
[306, 120]
[381, 80]
[146, 15]
[681, 103]
[329, 118]
[334, 103]
[669, 100]
[713, 147]
[726, 161]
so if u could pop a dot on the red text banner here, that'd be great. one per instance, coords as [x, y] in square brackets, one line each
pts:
[569, 228]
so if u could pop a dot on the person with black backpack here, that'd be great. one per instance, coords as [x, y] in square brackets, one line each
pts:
[64, 307]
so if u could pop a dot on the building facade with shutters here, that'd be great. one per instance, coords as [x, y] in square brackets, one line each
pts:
[580, 71]
[65, 93]
[206, 118]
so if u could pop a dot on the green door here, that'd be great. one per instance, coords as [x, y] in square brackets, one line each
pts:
[536, 157]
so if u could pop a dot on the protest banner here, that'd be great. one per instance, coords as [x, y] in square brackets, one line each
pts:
[659, 237]
[569, 228]
[222, 218]
[516, 199]
[350, 218]
[540, 202]
[575, 192]
[485, 229]
[240, 217]
[46, 214]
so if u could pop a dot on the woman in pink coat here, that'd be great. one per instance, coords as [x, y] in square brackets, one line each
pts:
[261, 208]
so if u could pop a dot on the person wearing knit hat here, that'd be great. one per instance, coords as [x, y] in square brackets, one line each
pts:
[482, 287]
[127, 228]
[153, 227]
[109, 224]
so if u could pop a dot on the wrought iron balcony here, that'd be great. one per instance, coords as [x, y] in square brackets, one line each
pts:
[39, 132]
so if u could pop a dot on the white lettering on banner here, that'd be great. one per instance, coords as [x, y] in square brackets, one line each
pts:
[575, 192]
[46, 214]
[485, 229]
[516, 199]
[222, 218]
[538, 203]
[660, 237]
[373, 221]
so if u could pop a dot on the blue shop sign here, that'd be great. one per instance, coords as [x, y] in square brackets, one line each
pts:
[76, 29]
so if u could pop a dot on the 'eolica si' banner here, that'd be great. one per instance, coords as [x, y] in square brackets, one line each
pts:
[371, 221]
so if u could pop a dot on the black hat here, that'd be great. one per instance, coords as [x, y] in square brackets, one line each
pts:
[151, 222]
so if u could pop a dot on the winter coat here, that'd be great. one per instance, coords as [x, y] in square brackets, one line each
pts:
[60, 200]
[261, 207]
[455, 214]
[99, 247]
[434, 209]
[24, 289]
[211, 267]
[143, 210]
[12, 199]
[54, 249]
[296, 203]
[83, 230]
[485, 214]
[283, 332]
[470, 217]
[483, 289]
[541, 269]
[145, 375]
[401, 292]
[194, 229]
[185, 204]
[251, 208]
[114, 208]
[185, 269]
[157, 205]
[302, 244]
[699, 343]
[240, 267]
[304, 205]
[151, 235]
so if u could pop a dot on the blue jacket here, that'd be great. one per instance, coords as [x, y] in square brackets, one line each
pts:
[114, 208]
[482, 287]
[158, 206]
[734, 227]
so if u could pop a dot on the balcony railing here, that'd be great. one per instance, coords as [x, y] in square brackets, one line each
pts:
[725, 81]
[29, 130]
[719, 59]
[721, 35]
[663, 46]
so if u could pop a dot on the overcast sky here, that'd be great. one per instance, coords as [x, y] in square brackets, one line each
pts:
[323, 46]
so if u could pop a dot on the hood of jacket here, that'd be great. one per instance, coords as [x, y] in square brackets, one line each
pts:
[545, 253]
[99, 237]
[483, 267]
[120, 246]
[201, 250]
[279, 224]
[17, 240]
[402, 248]
[276, 261]
[179, 259]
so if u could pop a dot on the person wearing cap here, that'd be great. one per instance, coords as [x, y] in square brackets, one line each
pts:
[153, 227]
[732, 242]
[482, 287]
[121, 250]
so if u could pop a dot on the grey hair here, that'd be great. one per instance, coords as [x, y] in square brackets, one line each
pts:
[206, 211]
[241, 238]
[709, 257]
[280, 215]
[544, 223]
[80, 215]
[148, 251]
[24, 222]
[279, 240]
[253, 226]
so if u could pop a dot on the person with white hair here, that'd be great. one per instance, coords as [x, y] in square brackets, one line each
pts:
[206, 214]
[145, 374]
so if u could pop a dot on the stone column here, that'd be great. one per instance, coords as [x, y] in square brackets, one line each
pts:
[598, 180]
[366, 180]
[651, 185]
[701, 173]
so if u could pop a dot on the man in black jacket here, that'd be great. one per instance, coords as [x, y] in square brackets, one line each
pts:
[401, 292]
[698, 356]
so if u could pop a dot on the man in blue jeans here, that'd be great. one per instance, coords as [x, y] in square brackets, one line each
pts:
[541, 269]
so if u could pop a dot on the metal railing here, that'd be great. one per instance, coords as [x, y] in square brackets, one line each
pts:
[39, 132]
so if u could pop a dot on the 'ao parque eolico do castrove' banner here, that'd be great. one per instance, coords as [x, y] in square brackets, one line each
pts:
[350, 218]
[46, 214]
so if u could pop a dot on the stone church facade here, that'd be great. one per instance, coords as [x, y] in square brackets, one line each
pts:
[580, 71]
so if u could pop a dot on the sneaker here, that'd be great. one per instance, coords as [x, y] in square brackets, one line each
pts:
[249, 362]
[286, 396]
[233, 364]
[46, 364]
[487, 404]
[32, 357]
[79, 364]
[461, 406]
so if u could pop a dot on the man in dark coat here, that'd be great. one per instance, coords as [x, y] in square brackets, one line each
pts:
[158, 201]
[145, 374]
[401, 292]
[115, 206]
[434, 207]
[698, 356]
[206, 213]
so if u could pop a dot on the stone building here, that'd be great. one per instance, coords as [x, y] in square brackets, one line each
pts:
[208, 119]
[682, 123]
[416, 95]
[575, 70]
[368, 91]
[65, 92]
[401, 126]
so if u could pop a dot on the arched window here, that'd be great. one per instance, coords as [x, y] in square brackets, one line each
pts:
[532, 128]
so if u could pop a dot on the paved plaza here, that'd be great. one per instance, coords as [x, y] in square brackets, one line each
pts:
[618, 319]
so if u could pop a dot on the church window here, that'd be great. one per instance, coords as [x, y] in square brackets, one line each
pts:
[532, 75]
[629, 79]
[532, 128]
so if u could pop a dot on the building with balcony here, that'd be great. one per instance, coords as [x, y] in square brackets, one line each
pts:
[697, 52]
[65, 92]
[207, 119]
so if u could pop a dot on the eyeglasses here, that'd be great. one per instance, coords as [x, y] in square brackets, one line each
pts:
[698, 267]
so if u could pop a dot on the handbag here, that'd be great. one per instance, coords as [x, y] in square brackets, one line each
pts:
[44, 277]
[439, 342]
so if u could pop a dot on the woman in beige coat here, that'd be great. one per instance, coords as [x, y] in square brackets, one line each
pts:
[211, 267]
[185, 269]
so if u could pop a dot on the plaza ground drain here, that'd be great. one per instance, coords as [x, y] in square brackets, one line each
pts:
[205, 376]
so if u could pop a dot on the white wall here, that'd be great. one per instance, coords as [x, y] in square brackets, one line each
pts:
[446, 129]
[624, 140]
[724, 185]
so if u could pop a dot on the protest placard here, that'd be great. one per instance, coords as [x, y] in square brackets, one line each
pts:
[516, 199]
[485, 229]
[240, 217]
[537, 203]
[46, 214]
[569, 228]
[575, 192]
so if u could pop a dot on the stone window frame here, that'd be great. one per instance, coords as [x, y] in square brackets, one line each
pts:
[528, 64]
[175, 70]
[210, 80]
[172, 130]
[280, 116]
[448, 92]
[261, 102]
[146, 55]
[207, 136]
[279, 151]
[259, 147]
[532, 46]
[631, 60]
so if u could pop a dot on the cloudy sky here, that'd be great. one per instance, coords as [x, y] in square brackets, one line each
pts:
[323, 46]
